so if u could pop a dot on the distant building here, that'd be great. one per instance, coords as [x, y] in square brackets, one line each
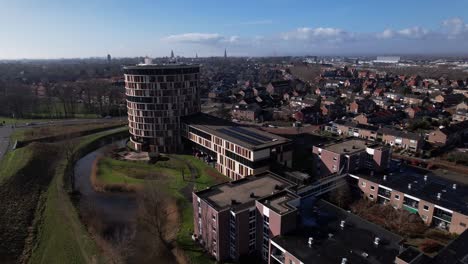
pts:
[109, 58]
[387, 59]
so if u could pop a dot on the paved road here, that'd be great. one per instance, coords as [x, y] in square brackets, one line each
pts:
[6, 131]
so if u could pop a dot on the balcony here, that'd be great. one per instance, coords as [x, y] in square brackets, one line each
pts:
[410, 209]
[278, 256]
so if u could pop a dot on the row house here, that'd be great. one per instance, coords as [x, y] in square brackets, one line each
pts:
[402, 139]
[362, 106]
[449, 136]
[380, 117]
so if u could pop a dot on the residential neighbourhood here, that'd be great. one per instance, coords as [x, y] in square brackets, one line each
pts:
[222, 132]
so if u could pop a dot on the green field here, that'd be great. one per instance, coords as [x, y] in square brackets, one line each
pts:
[14, 161]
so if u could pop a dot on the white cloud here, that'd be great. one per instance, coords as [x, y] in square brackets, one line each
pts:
[201, 38]
[456, 27]
[317, 34]
[414, 32]
[386, 34]
[410, 33]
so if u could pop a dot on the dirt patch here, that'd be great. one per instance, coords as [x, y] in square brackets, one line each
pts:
[19, 198]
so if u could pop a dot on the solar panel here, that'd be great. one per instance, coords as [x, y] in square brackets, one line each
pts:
[240, 137]
[251, 133]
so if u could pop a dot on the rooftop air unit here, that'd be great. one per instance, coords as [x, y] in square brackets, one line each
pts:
[377, 241]
[311, 241]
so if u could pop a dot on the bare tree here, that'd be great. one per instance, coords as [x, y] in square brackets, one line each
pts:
[69, 146]
[341, 196]
[154, 213]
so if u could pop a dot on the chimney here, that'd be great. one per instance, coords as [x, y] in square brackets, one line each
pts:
[376, 241]
[342, 223]
[344, 260]
[409, 186]
[454, 186]
[385, 177]
[311, 241]
[439, 195]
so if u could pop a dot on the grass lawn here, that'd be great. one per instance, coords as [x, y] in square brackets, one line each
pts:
[170, 173]
[14, 161]
[59, 130]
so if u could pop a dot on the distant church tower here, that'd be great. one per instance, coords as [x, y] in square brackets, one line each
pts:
[225, 53]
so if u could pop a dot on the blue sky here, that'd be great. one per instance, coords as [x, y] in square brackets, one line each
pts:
[71, 28]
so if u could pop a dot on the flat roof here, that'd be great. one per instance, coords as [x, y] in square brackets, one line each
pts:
[247, 137]
[243, 193]
[332, 243]
[279, 202]
[452, 199]
[350, 146]
[161, 66]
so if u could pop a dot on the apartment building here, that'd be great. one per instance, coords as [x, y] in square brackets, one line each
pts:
[158, 95]
[330, 235]
[439, 202]
[238, 151]
[230, 221]
[350, 155]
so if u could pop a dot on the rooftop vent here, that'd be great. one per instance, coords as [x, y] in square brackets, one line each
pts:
[252, 195]
[330, 235]
[425, 177]
[311, 241]
[454, 186]
[364, 254]
[344, 260]
[233, 201]
[409, 186]
[278, 187]
[345, 150]
[385, 177]
[342, 223]
[376, 241]
[439, 195]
